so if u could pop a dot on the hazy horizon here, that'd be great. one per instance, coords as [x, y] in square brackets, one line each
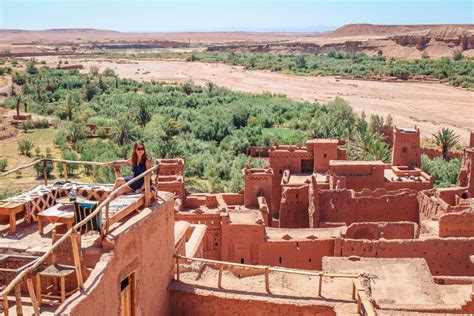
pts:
[227, 16]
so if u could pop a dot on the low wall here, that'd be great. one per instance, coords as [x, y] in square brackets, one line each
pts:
[445, 256]
[433, 153]
[345, 206]
[203, 305]
[457, 224]
[374, 231]
[136, 249]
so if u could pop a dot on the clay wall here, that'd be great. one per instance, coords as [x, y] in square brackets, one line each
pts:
[242, 243]
[202, 305]
[258, 182]
[457, 224]
[357, 175]
[170, 167]
[294, 207]
[213, 236]
[466, 174]
[445, 256]
[374, 231]
[196, 200]
[171, 184]
[258, 151]
[313, 203]
[233, 198]
[433, 153]
[406, 148]
[324, 150]
[411, 185]
[471, 140]
[296, 254]
[343, 206]
[152, 263]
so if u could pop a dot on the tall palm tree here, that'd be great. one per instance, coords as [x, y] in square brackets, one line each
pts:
[143, 114]
[72, 100]
[19, 99]
[369, 146]
[124, 131]
[446, 138]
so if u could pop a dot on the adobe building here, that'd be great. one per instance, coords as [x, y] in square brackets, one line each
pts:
[310, 233]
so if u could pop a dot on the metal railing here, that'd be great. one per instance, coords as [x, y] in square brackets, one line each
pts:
[71, 233]
[364, 306]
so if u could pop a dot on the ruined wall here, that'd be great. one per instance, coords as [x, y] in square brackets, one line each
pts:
[457, 224]
[133, 251]
[466, 174]
[374, 231]
[445, 256]
[258, 182]
[203, 305]
[294, 207]
[357, 175]
[345, 206]
[306, 254]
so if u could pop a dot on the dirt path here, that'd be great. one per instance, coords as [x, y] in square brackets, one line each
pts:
[426, 105]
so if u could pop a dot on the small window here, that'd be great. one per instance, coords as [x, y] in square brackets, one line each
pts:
[242, 260]
[325, 155]
[280, 260]
[309, 260]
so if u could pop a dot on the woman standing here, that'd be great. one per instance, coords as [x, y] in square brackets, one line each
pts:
[139, 162]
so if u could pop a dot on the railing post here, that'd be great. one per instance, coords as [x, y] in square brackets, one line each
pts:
[107, 221]
[147, 190]
[267, 280]
[19, 308]
[117, 172]
[77, 258]
[31, 291]
[5, 305]
[65, 170]
[45, 172]
[177, 268]
[219, 279]
[320, 284]
[353, 290]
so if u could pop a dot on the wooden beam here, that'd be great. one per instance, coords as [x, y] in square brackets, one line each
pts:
[219, 280]
[177, 268]
[31, 291]
[19, 308]
[320, 288]
[45, 172]
[65, 170]
[147, 190]
[5, 305]
[77, 259]
[267, 280]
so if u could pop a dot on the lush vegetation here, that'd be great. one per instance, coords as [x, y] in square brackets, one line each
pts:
[209, 126]
[456, 71]
[444, 172]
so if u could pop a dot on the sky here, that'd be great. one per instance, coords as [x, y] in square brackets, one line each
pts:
[227, 15]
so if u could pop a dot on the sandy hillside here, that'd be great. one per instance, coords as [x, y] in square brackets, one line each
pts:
[428, 106]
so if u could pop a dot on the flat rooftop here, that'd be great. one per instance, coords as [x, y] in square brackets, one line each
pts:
[245, 217]
[394, 282]
[299, 178]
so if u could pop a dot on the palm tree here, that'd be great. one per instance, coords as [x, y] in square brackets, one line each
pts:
[369, 146]
[19, 99]
[446, 138]
[143, 114]
[72, 100]
[124, 131]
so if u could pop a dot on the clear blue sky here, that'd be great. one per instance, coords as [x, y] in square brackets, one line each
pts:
[185, 15]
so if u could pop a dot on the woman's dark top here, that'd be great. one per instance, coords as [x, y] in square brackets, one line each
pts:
[137, 170]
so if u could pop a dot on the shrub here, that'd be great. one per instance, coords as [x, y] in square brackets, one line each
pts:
[26, 126]
[3, 164]
[25, 146]
[43, 123]
[457, 55]
[445, 173]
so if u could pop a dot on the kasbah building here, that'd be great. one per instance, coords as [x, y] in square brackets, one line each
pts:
[311, 234]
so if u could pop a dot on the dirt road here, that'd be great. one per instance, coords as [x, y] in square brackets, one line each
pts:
[426, 105]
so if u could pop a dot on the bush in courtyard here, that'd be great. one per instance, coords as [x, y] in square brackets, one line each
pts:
[25, 146]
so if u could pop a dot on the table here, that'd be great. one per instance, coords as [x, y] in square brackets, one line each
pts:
[59, 213]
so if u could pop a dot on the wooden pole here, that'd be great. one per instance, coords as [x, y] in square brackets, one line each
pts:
[267, 280]
[45, 172]
[65, 170]
[19, 308]
[147, 190]
[107, 219]
[359, 303]
[5, 305]
[77, 259]
[31, 291]
[177, 268]
[219, 280]
[320, 284]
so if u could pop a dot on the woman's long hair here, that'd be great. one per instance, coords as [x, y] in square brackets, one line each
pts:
[135, 156]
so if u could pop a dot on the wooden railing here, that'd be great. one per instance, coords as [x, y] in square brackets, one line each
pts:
[28, 272]
[364, 306]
